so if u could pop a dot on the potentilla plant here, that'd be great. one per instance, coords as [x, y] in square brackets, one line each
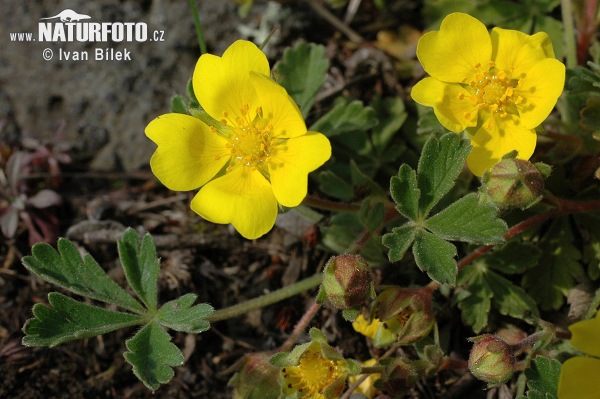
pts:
[503, 251]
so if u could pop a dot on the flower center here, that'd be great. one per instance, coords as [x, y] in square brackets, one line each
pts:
[493, 90]
[312, 375]
[251, 142]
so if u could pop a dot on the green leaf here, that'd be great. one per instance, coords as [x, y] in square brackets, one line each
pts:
[590, 115]
[391, 114]
[543, 378]
[69, 319]
[279, 359]
[469, 220]
[513, 257]
[179, 105]
[399, 240]
[440, 164]
[510, 299]
[558, 267]
[344, 118]
[302, 72]
[179, 316]
[475, 305]
[141, 265]
[152, 355]
[83, 277]
[436, 257]
[333, 185]
[405, 192]
[371, 214]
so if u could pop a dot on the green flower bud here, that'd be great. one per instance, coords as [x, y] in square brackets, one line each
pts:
[257, 378]
[405, 315]
[514, 183]
[347, 282]
[492, 360]
[398, 376]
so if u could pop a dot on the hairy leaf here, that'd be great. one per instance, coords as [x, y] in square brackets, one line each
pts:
[475, 303]
[345, 117]
[543, 378]
[510, 299]
[440, 164]
[513, 257]
[81, 276]
[436, 257]
[180, 315]
[141, 265]
[470, 221]
[399, 240]
[69, 319]
[405, 193]
[152, 355]
[302, 72]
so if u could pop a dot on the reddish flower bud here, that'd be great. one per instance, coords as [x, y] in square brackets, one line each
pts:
[257, 379]
[492, 360]
[347, 281]
[398, 376]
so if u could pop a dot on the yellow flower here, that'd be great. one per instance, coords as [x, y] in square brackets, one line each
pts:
[497, 86]
[361, 325]
[258, 156]
[579, 375]
[366, 387]
[315, 377]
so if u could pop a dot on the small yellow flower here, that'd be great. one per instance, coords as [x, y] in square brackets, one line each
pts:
[361, 325]
[497, 86]
[259, 155]
[314, 377]
[579, 375]
[366, 387]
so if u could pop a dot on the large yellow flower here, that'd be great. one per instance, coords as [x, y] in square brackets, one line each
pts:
[498, 86]
[258, 155]
[579, 375]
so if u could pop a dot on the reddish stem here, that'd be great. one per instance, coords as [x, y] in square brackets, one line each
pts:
[329, 205]
[299, 328]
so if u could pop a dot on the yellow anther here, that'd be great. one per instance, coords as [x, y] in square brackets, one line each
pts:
[461, 96]
[467, 115]
[240, 122]
[473, 99]
[479, 76]
[258, 110]
[212, 128]
[491, 63]
[488, 125]
[478, 65]
[493, 107]
[225, 114]
[519, 100]
[520, 83]
[217, 157]
[463, 80]
[270, 127]
[244, 111]
[246, 107]
[253, 168]
[509, 92]
[472, 83]
[511, 69]
[501, 75]
[223, 122]
[229, 169]
[504, 114]
[227, 145]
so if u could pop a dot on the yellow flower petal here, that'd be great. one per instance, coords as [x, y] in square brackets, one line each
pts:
[241, 197]
[502, 137]
[450, 102]
[290, 163]
[542, 85]
[185, 157]
[452, 53]
[518, 51]
[278, 108]
[586, 336]
[361, 325]
[222, 84]
[579, 378]
[366, 387]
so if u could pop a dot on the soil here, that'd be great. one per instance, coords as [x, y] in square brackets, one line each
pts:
[98, 111]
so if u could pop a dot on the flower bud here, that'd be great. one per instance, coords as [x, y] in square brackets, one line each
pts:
[347, 281]
[514, 183]
[257, 379]
[492, 360]
[405, 315]
[398, 376]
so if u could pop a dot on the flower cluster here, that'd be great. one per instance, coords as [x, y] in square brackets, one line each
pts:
[498, 86]
[579, 375]
[257, 153]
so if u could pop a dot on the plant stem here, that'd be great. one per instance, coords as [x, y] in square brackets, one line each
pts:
[593, 306]
[300, 327]
[570, 51]
[269, 37]
[198, 28]
[371, 370]
[318, 203]
[564, 207]
[265, 300]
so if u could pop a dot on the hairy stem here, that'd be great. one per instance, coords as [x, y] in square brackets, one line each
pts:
[267, 299]
[318, 203]
[198, 28]
[570, 50]
[300, 327]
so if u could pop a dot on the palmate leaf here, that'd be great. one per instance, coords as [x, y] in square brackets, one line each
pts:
[69, 319]
[152, 355]
[543, 378]
[81, 276]
[436, 257]
[180, 315]
[346, 117]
